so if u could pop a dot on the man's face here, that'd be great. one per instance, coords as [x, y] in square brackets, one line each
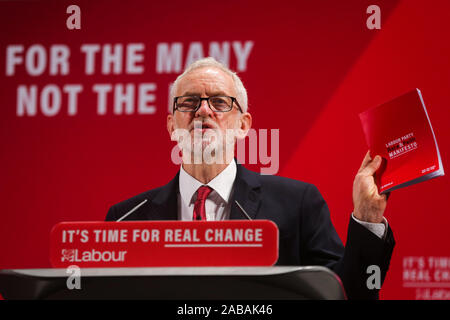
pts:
[208, 82]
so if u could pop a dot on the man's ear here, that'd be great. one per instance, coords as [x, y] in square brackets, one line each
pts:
[245, 123]
[170, 124]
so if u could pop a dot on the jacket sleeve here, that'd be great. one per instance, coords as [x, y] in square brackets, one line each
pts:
[320, 245]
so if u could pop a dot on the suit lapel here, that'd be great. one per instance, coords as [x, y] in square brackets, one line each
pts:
[164, 206]
[247, 192]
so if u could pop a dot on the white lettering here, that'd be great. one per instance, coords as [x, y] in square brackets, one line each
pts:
[112, 59]
[122, 97]
[145, 97]
[220, 52]
[242, 53]
[168, 60]
[195, 53]
[36, 60]
[13, 58]
[90, 51]
[26, 101]
[50, 100]
[72, 92]
[102, 92]
[133, 57]
[59, 55]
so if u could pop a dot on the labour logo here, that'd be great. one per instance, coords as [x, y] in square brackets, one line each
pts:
[68, 255]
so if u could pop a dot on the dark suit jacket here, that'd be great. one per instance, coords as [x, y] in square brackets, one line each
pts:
[307, 236]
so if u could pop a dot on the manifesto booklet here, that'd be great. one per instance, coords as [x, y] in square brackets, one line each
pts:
[400, 132]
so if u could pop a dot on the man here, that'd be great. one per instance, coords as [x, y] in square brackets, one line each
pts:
[209, 114]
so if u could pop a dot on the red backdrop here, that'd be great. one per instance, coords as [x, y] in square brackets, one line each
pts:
[309, 68]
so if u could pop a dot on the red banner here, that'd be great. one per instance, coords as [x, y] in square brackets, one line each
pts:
[85, 95]
[164, 244]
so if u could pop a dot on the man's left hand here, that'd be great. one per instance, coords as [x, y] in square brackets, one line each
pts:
[368, 204]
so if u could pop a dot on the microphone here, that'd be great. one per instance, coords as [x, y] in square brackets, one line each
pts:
[243, 211]
[142, 203]
[131, 211]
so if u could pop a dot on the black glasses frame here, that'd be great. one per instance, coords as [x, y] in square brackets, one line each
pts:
[233, 101]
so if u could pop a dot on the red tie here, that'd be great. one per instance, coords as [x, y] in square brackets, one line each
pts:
[199, 206]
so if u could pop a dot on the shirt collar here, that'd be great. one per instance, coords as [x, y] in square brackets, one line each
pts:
[222, 183]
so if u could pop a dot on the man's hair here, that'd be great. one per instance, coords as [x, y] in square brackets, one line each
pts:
[241, 92]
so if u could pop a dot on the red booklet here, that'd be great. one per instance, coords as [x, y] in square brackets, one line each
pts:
[400, 132]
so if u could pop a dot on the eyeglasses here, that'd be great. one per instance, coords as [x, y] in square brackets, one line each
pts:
[193, 103]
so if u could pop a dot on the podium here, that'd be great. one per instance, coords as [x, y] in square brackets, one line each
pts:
[176, 283]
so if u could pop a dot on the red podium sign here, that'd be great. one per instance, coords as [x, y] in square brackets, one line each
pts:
[164, 243]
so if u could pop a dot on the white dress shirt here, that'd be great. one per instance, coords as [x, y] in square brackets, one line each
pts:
[380, 229]
[218, 204]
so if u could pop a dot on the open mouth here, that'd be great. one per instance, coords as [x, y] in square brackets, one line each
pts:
[203, 127]
[207, 126]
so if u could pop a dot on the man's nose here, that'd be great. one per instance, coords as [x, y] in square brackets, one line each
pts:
[204, 109]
